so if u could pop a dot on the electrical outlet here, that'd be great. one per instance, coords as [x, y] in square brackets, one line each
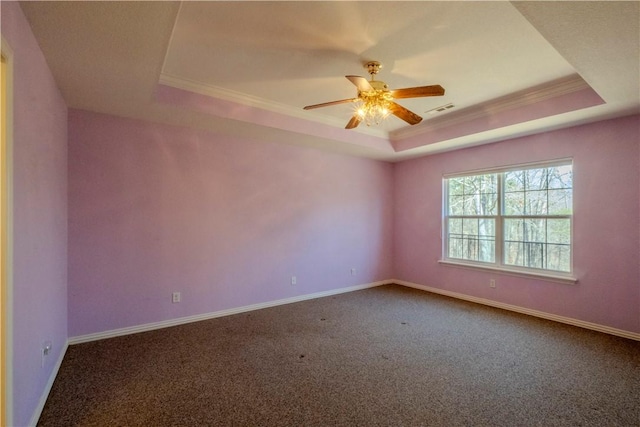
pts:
[175, 297]
[46, 350]
[492, 283]
[353, 271]
[294, 281]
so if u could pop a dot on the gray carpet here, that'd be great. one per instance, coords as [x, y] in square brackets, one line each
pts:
[386, 356]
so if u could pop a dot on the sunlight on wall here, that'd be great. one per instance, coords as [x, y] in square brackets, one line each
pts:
[3, 157]
[5, 236]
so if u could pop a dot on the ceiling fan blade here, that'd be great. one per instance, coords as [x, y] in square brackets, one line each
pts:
[404, 114]
[327, 104]
[417, 92]
[361, 83]
[354, 122]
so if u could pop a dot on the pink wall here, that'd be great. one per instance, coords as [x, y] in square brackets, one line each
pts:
[243, 113]
[39, 215]
[155, 209]
[606, 223]
[561, 103]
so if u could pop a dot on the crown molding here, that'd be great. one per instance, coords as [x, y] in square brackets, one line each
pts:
[524, 98]
[554, 89]
[257, 102]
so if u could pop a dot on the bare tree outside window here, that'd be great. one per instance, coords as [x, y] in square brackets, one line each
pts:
[473, 206]
[519, 218]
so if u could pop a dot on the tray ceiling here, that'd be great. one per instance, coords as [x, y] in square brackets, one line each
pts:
[248, 68]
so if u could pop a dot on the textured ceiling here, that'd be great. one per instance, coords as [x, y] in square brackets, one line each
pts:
[248, 68]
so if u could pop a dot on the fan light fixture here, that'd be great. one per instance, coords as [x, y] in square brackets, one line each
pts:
[375, 101]
[373, 107]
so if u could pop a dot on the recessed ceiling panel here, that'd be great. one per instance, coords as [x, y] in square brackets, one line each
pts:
[510, 68]
[297, 53]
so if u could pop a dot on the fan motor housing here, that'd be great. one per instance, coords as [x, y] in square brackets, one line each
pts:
[379, 85]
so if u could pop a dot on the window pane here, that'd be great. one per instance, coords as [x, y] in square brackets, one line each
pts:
[472, 239]
[456, 205]
[560, 177]
[559, 231]
[536, 179]
[487, 227]
[524, 254]
[489, 203]
[489, 194]
[455, 238]
[535, 230]
[525, 242]
[543, 243]
[560, 202]
[534, 255]
[455, 226]
[487, 250]
[455, 186]
[455, 246]
[470, 248]
[513, 181]
[536, 202]
[489, 183]
[479, 196]
[513, 230]
[559, 257]
[470, 226]
[486, 237]
[540, 192]
[514, 203]
[533, 237]
[472, 204]
[513, 253]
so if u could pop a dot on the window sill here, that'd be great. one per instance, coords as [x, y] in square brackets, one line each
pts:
[560, 278]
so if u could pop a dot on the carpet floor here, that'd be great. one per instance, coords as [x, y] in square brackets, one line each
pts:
[385, 356]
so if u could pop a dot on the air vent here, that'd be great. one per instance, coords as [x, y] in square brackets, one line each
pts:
[440, 109]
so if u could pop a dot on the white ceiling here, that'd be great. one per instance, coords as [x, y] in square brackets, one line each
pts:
[247, 68]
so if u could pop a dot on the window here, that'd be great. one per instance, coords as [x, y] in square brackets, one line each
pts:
[514, 218]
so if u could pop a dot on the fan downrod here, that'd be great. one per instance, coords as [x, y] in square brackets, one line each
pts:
[373, 67]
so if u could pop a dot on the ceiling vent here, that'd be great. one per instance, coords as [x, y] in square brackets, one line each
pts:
[440, 109]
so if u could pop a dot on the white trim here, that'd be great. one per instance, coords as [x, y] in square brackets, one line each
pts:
[7, 52]
[536, 313]
[205, 316]
[499, 265]
[228, 95]
[560, 87]
[523, 98]
[562, 161]
[167, 48]
[198, 317]
[189, 319]
[512, 272]
[257, 102]
[47, 388]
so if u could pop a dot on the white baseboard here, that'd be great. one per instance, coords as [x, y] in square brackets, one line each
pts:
[198, 317]
[523, 310]
[47, 388]
[189, 319]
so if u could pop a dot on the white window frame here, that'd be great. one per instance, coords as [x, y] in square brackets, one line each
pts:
[498, 265]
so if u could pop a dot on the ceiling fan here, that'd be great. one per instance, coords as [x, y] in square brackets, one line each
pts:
[376, 101]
